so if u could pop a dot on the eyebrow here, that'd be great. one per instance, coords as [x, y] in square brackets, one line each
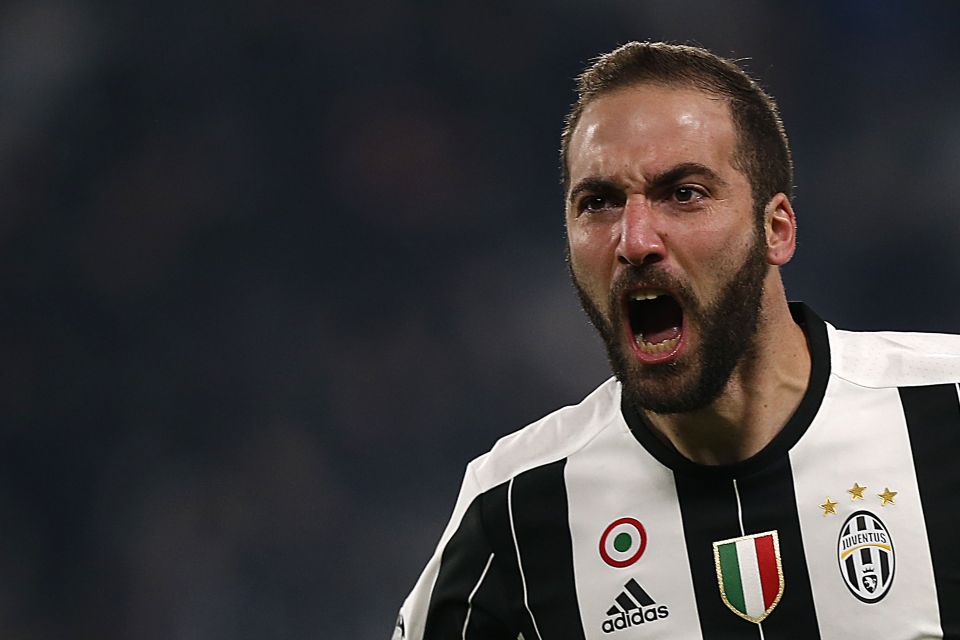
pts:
[656, 181]
[595, 185]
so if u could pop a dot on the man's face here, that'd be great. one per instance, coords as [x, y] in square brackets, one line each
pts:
[665, 248]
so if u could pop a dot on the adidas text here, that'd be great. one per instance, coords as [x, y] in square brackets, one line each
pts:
[625, 620]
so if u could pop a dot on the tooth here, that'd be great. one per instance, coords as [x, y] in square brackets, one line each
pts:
[659, 347]
[650, 294]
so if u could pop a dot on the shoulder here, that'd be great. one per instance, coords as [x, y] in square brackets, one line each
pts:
[552, 438]
[893, 358]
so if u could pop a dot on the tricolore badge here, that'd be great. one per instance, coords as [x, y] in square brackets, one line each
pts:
[750, 574]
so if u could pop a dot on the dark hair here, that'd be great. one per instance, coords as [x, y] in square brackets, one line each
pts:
[762, 152]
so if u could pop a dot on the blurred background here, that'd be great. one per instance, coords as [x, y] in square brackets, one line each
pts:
[273, 272]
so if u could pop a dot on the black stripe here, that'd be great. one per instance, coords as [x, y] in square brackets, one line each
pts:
[488, 599]
[861, 523]
[461, 565]
[769, 503]
[851, 569]
[638, 593]
[496, 521]
[933, 420]
[546, 551]
[709, 514]
[884, 567]
[865, 556]
[709, 509]
[625, 602]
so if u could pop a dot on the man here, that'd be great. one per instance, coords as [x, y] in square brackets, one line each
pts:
[751, 472]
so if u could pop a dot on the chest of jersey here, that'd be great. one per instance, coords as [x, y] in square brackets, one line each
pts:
[828, 540]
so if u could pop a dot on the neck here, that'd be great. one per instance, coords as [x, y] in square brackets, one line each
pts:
[757, 401]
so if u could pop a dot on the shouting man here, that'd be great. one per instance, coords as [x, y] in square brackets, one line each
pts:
[751, 471]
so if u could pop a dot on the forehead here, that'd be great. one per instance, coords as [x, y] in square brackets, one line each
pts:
[645, 129]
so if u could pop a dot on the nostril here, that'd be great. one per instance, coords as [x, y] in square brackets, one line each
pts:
[650, 258]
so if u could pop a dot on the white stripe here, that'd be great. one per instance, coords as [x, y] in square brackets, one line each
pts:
[750, 577]
[516, 545]
[666, 553]
[466, 621]
[736, 492]
[868, 427]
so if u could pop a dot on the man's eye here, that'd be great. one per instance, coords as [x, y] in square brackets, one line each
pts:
[595, 203]
[687, 194]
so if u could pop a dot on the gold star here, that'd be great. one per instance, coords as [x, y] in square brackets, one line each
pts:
[856, 491]
[829, 506]
[887, 497]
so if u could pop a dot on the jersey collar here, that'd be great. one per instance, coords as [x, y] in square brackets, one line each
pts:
[816, 332]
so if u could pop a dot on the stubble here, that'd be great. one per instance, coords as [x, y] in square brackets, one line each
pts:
[726, 328]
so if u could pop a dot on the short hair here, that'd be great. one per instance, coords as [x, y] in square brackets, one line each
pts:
[762, 152]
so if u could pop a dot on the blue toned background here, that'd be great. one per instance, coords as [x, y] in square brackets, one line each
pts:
[273, 272]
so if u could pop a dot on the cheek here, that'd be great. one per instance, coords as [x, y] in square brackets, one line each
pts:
[591, 264]
[592, 253]
[716, 259]
[595, 241]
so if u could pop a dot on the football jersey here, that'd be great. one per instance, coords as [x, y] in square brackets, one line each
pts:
[585, 525]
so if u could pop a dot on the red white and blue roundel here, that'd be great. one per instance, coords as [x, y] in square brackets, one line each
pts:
[866, 557]
[623, 542]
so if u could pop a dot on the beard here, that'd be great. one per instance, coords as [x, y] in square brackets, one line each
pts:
[727, 330]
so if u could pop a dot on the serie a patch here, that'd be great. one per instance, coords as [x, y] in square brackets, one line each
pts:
[750, 574]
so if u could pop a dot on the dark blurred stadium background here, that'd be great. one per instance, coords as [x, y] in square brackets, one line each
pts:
[274, 271]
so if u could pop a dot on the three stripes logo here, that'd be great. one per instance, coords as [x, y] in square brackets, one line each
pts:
[632, 607]
[750, 574]
[865, 553]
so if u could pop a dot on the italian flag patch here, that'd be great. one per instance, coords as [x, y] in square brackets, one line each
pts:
[749, 574]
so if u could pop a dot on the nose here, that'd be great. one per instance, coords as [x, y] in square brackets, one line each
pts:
[641, 241]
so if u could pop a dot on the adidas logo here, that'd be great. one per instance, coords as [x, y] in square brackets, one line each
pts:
[633, 606]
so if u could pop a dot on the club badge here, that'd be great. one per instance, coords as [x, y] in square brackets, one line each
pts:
[866, 557]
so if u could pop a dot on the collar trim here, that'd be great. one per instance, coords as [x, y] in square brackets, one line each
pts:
[816, 332]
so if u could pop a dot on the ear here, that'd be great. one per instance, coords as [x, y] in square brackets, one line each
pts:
[780, 225]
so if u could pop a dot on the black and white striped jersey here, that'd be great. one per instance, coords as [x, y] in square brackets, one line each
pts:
[585, 525]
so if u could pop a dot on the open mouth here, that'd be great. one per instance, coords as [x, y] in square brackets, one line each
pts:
[656, 322]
